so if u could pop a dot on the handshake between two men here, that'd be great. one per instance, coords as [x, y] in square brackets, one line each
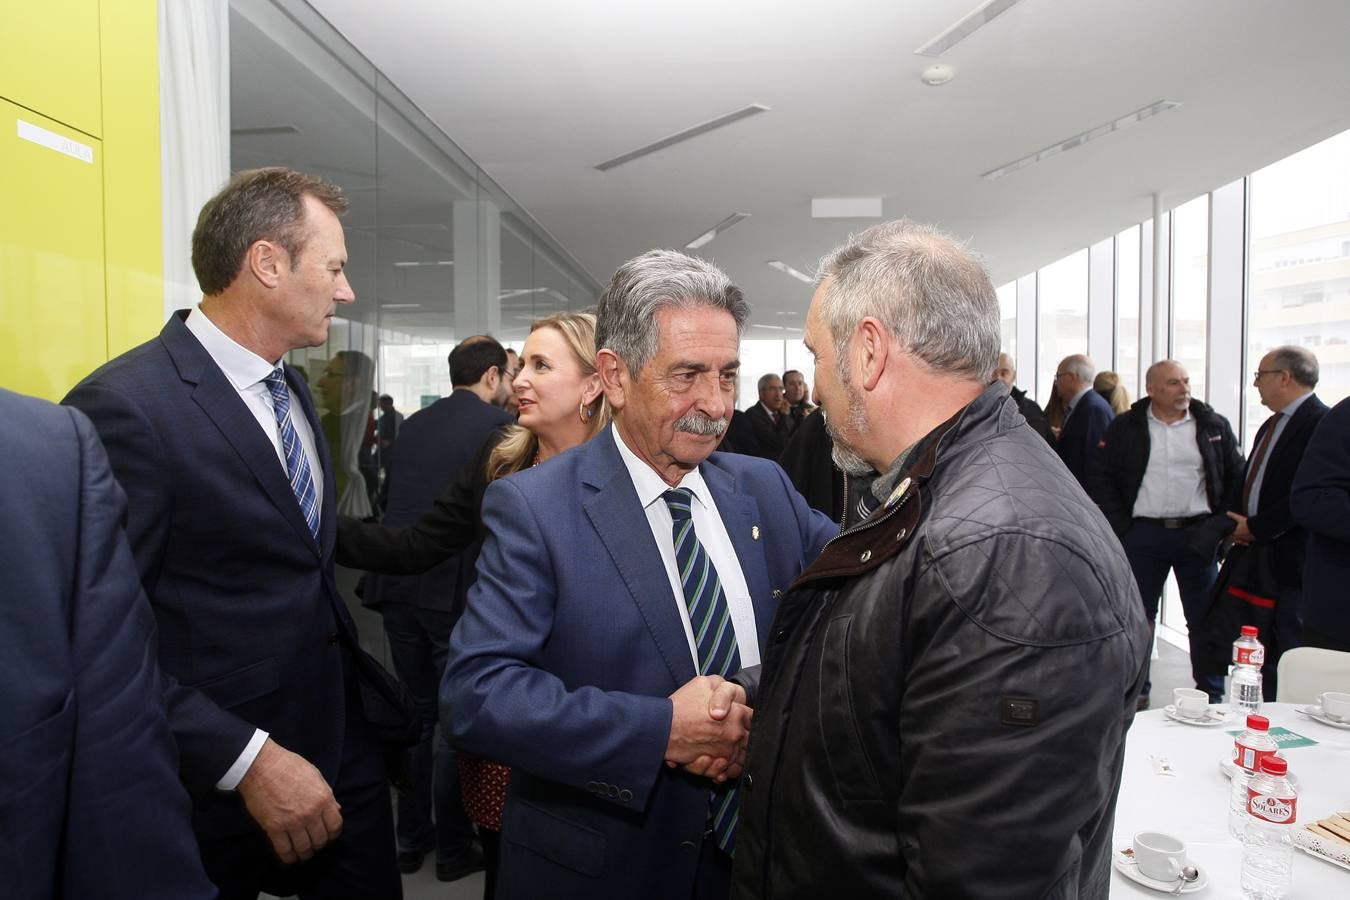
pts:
[709, 728]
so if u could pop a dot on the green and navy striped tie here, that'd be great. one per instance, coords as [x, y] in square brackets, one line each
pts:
[714, 635]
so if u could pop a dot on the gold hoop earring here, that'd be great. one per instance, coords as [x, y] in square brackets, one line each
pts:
[584, 413]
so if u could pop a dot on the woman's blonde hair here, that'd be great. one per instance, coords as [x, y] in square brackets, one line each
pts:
[517, 450]
[1108, 385]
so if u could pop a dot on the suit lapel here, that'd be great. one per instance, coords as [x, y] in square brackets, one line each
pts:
[618, 518]
[1292, 436]
[741, 517]
[217, 398]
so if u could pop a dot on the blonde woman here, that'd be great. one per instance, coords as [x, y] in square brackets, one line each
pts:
[1108, 385]
[561, 405]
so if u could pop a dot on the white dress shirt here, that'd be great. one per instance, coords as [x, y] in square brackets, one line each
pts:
[1255, 497]
[1174, 482]
[245, 370]
[711, 533]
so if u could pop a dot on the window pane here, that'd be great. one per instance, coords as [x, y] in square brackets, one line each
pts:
[1061, 296]
[1127, 309]
[1300, 265]
[757, 358]
[1190, 288]
[1007, 311]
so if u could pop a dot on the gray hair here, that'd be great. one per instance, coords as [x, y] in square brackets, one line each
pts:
[765, 380]
[647, 284]
[925, 287]
[1086, 370]
[1299, 362]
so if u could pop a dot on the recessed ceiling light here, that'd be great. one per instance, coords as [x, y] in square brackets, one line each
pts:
[1078, 140]
[264, 131]
[981, 16]
[788, 270]
[400, 306]
[707, 236]
[686, 134]
[415, 264]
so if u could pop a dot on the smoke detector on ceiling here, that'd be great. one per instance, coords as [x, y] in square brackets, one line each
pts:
[937, 74]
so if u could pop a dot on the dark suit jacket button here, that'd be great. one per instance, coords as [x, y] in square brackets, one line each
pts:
[612, 791]
[592, 786]
[333, 639]
[688, 844]
[748, 781]
[625, 795]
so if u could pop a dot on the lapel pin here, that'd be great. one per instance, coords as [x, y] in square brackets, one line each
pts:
[898, 492]
[754, 532]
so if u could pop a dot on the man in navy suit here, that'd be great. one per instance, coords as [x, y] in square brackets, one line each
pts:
[419, 610]
[90, 803]
[770, 418]
[1320, 501]
[230, 517]
[1285, 379]
[1086, 414]
[619, 583]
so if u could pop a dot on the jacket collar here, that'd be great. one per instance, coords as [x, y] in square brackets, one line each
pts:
[219, 400]
[612, 505]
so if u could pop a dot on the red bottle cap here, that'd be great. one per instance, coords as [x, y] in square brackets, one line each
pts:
[1274, 765]
[1249, 631]
[1258, 723]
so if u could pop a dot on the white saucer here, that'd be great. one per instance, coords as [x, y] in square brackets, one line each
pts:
[1214, 715]
[1314, 712]
[1126, 866]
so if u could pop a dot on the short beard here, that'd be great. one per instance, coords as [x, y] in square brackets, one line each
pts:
[843, 453]
[698, 423]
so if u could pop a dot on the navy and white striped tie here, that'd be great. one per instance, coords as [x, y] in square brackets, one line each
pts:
[714, 635]
[297, 466]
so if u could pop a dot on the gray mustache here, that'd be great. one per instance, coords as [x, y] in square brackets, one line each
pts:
[698, 423]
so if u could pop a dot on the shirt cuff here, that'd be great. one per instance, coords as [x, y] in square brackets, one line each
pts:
[230, 780]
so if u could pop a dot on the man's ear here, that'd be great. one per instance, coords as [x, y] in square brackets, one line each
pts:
[263, 261]
[613, 374]
[874, 347]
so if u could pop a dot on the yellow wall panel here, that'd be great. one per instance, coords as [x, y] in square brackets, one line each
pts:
[49, 59]
[52, 309]
[131, 168]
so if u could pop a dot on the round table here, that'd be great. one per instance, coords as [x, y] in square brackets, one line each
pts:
[1192, 803]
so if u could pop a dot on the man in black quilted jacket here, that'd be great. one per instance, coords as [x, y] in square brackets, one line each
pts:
[945, 693]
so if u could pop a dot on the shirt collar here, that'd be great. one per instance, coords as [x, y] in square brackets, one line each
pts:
[241, 366]
[1182, 421]
[1293, 405]
[1073, 404]
[648, 484]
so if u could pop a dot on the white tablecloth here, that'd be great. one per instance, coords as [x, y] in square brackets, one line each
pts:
[1193, 804]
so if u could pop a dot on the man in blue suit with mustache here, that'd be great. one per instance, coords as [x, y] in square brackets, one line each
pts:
[620, 583]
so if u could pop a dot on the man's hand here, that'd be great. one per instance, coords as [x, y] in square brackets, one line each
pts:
[290, 800]
[1242, 534]
[709, 727]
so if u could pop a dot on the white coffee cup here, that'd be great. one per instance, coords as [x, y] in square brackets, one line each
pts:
[1336, 704]
[1159, 856]
[1191, 703]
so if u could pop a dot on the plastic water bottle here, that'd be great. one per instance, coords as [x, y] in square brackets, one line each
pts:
[1250, 747]
[1268, 851]
[1244, 687]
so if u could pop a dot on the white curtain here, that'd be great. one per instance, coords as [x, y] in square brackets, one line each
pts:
[194, 128]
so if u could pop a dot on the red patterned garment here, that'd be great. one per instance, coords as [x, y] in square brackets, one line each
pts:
[484, 785]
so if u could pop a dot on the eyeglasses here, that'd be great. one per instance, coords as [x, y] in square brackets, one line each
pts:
[1062, 374]
[1259, 372]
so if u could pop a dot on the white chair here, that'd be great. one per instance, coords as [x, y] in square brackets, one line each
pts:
[1305, 672]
